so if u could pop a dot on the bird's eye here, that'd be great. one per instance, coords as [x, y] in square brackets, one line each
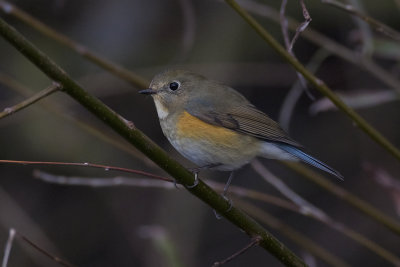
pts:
[174, 85]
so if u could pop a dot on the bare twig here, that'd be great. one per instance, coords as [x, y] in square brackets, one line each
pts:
[278, 184]
[56, 110]
[87, 164]
[284, 26]
[289, 44]
[387, 181]
[297, 237]
[329, 44]
[45, 252]
[26, 103]
[375, 24]
[367, 39]
[7, 249]
[303, 25]
[11, 237]
[351, 199]
[356, 100]
[316, 249]
[254, 242]
[102, 182]
[289, 103]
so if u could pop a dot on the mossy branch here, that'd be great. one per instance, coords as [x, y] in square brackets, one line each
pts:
[317, 83]
[127, 130]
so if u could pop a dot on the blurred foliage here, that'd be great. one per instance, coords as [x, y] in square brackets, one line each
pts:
[100, 227]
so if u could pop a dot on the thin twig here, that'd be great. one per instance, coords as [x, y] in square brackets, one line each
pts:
[289, 103]
[367, 38]
[284, 25]
[351, 199]
[87, 164]
[316, 249]
[356, 100]
[329, 44]
[12, 213]
[56, 110]
[45, 252]
[138, 182]
[290, 233]
[316, 213]
[7, 249]
[254, 242]
[375, 24]
[387, 181]
[102, 182]
[10, 241]
[289, 44]
[303, 25]
[279, 185]
[27, 102]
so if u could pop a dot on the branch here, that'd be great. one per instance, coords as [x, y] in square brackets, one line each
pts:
[8, 247]
[289, 44]
[124, 74]
[237, 192]
[87, 164]
[317, 83]
[351, 199]
[83, 125]
[26, 103]
[133, 135]
[330, 45]
[377, 25]
[292, 234]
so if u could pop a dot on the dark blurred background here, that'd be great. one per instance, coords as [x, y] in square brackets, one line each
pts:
[130, 226]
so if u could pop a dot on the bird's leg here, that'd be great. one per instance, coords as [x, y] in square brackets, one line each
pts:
[228, 183]
[196, 172]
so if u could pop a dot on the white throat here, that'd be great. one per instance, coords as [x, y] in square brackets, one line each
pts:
[161, 109]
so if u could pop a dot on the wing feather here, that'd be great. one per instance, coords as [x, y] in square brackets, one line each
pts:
[245, 119]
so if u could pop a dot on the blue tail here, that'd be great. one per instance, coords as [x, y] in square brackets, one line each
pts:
[308, 159]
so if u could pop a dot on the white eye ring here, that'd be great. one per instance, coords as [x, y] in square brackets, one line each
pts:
[174, 85]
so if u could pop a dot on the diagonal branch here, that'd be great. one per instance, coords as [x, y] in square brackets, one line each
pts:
[124, 74]
[27, 102]
[375, 24]
[319, 85]
[133, 135]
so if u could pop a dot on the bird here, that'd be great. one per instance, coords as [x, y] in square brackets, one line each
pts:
[216, 127]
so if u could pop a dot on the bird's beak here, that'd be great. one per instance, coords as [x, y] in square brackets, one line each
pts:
[148, 91]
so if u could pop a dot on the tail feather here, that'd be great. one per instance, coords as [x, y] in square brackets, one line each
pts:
[309, 159]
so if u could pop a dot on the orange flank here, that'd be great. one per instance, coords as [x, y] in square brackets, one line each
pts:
[189, 126]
